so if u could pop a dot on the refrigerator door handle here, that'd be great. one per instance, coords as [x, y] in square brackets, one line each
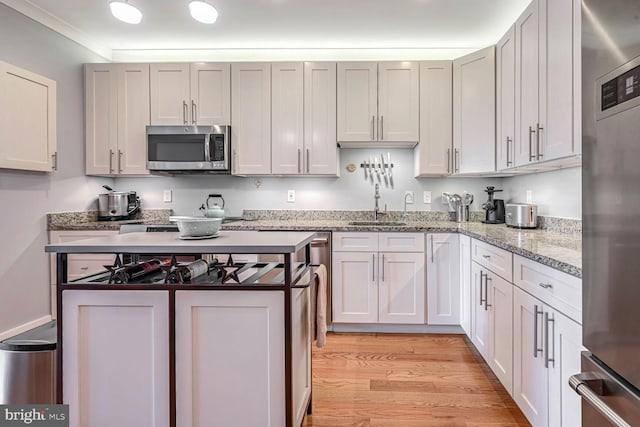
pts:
[584, 384]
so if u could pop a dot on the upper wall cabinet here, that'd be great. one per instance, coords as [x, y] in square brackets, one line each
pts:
[190, 94]
[474, 138]
[433, 153]
[547, 84]
[116, 116]
[505, 99]
[303, 118]
[378, 102]
[27, 120]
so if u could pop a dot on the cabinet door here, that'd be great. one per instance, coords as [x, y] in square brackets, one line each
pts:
[505, 99]
[320, 144]
[563, 347]
[443, 279]
[433, 152]
[355, 291]
[357, 101]
[128, 370]
[27, 120]
[133, 118]
[465, 284]
[401, 280]
[398, 101]
[527, 78]
[560, 83]
[251, 118]
[530, 379]
[210, 86]
[500, 307]
[170, 94]
[230, 376]
[287, 131]
[101, 118]
[301, 351]
[474, 130]
[479, 316]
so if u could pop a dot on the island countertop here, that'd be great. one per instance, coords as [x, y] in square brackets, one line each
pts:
[237, 242]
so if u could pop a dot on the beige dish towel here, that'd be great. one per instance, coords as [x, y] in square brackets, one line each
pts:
[319, 303]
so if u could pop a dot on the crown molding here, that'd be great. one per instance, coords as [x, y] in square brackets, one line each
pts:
[56, 24]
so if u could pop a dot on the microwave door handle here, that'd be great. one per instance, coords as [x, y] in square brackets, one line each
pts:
[207, 147]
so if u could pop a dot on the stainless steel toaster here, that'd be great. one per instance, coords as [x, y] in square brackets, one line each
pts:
[521, 215]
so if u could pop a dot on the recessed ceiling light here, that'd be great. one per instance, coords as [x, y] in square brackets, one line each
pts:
[125, 12]
[203, 12]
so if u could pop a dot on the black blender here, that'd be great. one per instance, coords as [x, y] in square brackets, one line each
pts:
[494, 208]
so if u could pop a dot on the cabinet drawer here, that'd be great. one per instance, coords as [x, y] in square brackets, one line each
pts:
[355, 242]
[80, 266]
[495, 259]
[401, 242]
[555, 288]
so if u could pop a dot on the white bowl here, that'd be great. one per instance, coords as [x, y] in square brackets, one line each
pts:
[196, 226]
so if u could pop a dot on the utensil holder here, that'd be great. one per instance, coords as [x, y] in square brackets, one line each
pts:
[462, 213]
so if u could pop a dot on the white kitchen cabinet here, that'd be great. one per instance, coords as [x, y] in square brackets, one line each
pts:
[301, 337]
[320, 144]
[492, 302]
[505, 99]
[251, 118]
[432, 155]
[465, 284]
[190, 94]
[378, 101]
[287, 117]
[27, 120]
[230, 376]
[378, 278]
[547, 348]
[116, 116]
[443, 279]
[128, 370]
[474, 136]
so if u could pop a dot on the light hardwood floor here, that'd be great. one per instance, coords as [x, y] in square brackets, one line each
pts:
[406, 380]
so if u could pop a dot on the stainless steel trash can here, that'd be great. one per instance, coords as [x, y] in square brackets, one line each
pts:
[28, 367]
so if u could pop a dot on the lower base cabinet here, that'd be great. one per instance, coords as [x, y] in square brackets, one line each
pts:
[443, 279]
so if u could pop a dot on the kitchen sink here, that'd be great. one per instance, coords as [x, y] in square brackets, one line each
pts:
[388, 223]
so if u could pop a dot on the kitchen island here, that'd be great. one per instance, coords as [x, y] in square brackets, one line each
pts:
[231, 347]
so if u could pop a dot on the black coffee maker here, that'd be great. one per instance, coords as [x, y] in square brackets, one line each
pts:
[494, 208]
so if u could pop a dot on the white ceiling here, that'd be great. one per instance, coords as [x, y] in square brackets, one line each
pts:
[289, 24]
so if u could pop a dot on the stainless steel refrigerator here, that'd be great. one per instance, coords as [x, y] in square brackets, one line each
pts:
[610, 378]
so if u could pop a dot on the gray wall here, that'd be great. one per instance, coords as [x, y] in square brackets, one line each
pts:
[26, 197]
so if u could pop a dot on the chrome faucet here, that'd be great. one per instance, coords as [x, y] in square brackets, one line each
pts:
[405, 214]
[376, 208]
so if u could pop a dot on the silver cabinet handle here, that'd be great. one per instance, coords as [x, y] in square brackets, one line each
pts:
[486, 292]
[110, 161]
[235, 161]
[119, 161]
[545, 285]
[536, 350]
[373, 267]
[382, 267]
[456, 160]
[84, 268]
[486, 256]
[194, 112]
[432, 255]
[538, 137]
[509, 141]
[481, 299]
[307, 159]
[373, 128]
[531, 132]
[381, 128]
[184, 112]
[580, 383]
[547, 359]
[54, 161]
[299, 152]
[448, 160]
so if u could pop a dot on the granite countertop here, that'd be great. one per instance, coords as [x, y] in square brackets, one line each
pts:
[562, 251]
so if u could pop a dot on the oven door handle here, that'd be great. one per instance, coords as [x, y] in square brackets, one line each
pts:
[207, 147]
[581, 384]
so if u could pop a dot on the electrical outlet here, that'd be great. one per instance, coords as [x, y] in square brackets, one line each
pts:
[408, 197]
[529, 196]
[166, 196]
[291, 196]
[426, 197]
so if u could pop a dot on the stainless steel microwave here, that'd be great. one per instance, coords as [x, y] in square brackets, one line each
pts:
[189, 149]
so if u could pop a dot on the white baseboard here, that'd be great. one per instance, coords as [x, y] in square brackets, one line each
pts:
[25, 327]
[386, 328]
